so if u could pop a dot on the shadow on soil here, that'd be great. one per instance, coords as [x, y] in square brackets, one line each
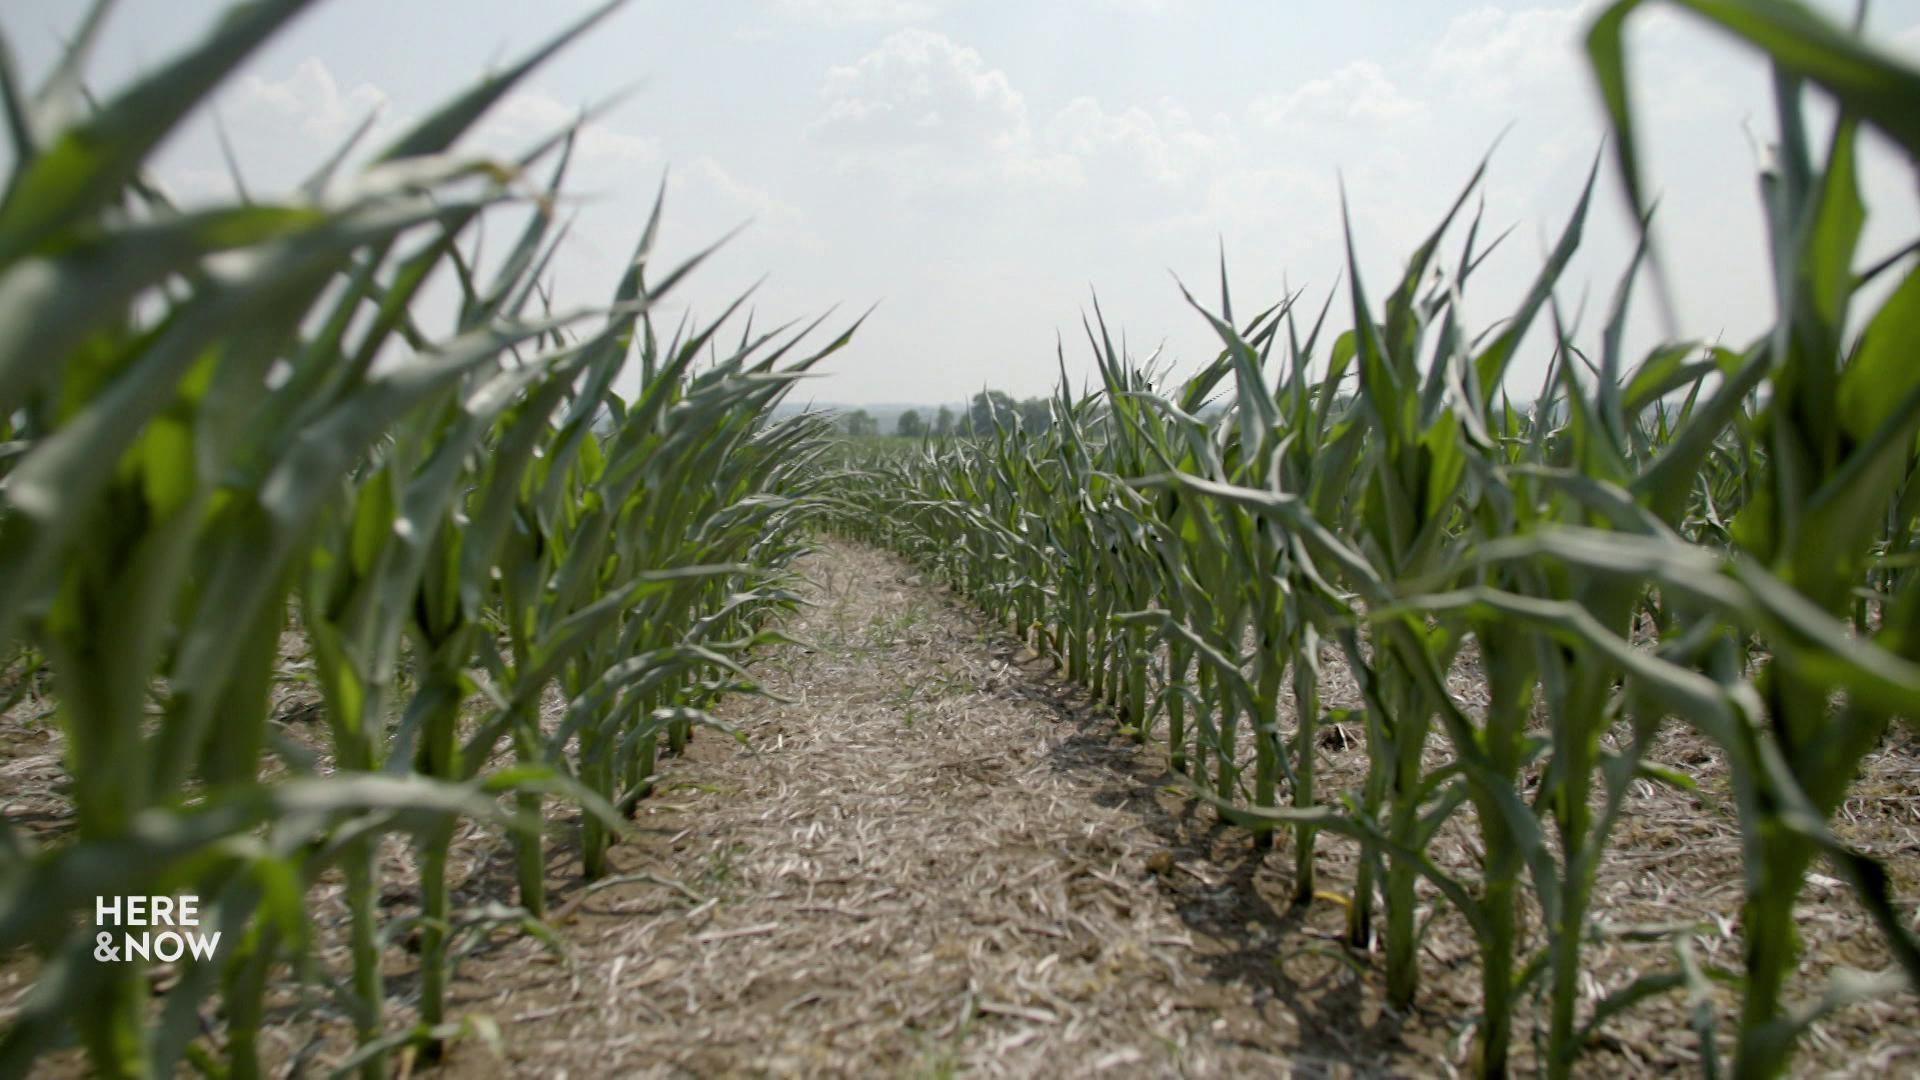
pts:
[1239, 904]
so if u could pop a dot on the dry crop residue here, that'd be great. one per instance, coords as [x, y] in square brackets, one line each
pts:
[932, 856]
[929, 858]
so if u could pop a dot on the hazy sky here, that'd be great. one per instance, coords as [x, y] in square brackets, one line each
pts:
[977, 167]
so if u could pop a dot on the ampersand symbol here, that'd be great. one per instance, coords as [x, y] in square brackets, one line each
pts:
[103, 947]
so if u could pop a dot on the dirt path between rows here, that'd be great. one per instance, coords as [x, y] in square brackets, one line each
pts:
[930, 858]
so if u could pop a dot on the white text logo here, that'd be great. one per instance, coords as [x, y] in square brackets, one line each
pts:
[155, 928]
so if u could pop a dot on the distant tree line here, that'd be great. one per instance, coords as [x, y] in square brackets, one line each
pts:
[1032, 414]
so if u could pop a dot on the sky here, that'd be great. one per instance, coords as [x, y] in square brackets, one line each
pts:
[981, 169]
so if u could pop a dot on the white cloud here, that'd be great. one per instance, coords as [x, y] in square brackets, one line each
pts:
[1535, 58]
[309, 100]
[1358, 92]
[926, 107]
[920, 86]
[527, 116]
[194, 185]
[1164, 145]
[1494, 52]
[1262, 195]
[1906, 42]
[721, 195]
[281, 130]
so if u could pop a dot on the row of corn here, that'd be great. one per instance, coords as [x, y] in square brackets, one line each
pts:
[1713, 537]
[225, 427]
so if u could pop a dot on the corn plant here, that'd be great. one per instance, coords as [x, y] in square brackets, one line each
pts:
[245, 431]
[1711, 536]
